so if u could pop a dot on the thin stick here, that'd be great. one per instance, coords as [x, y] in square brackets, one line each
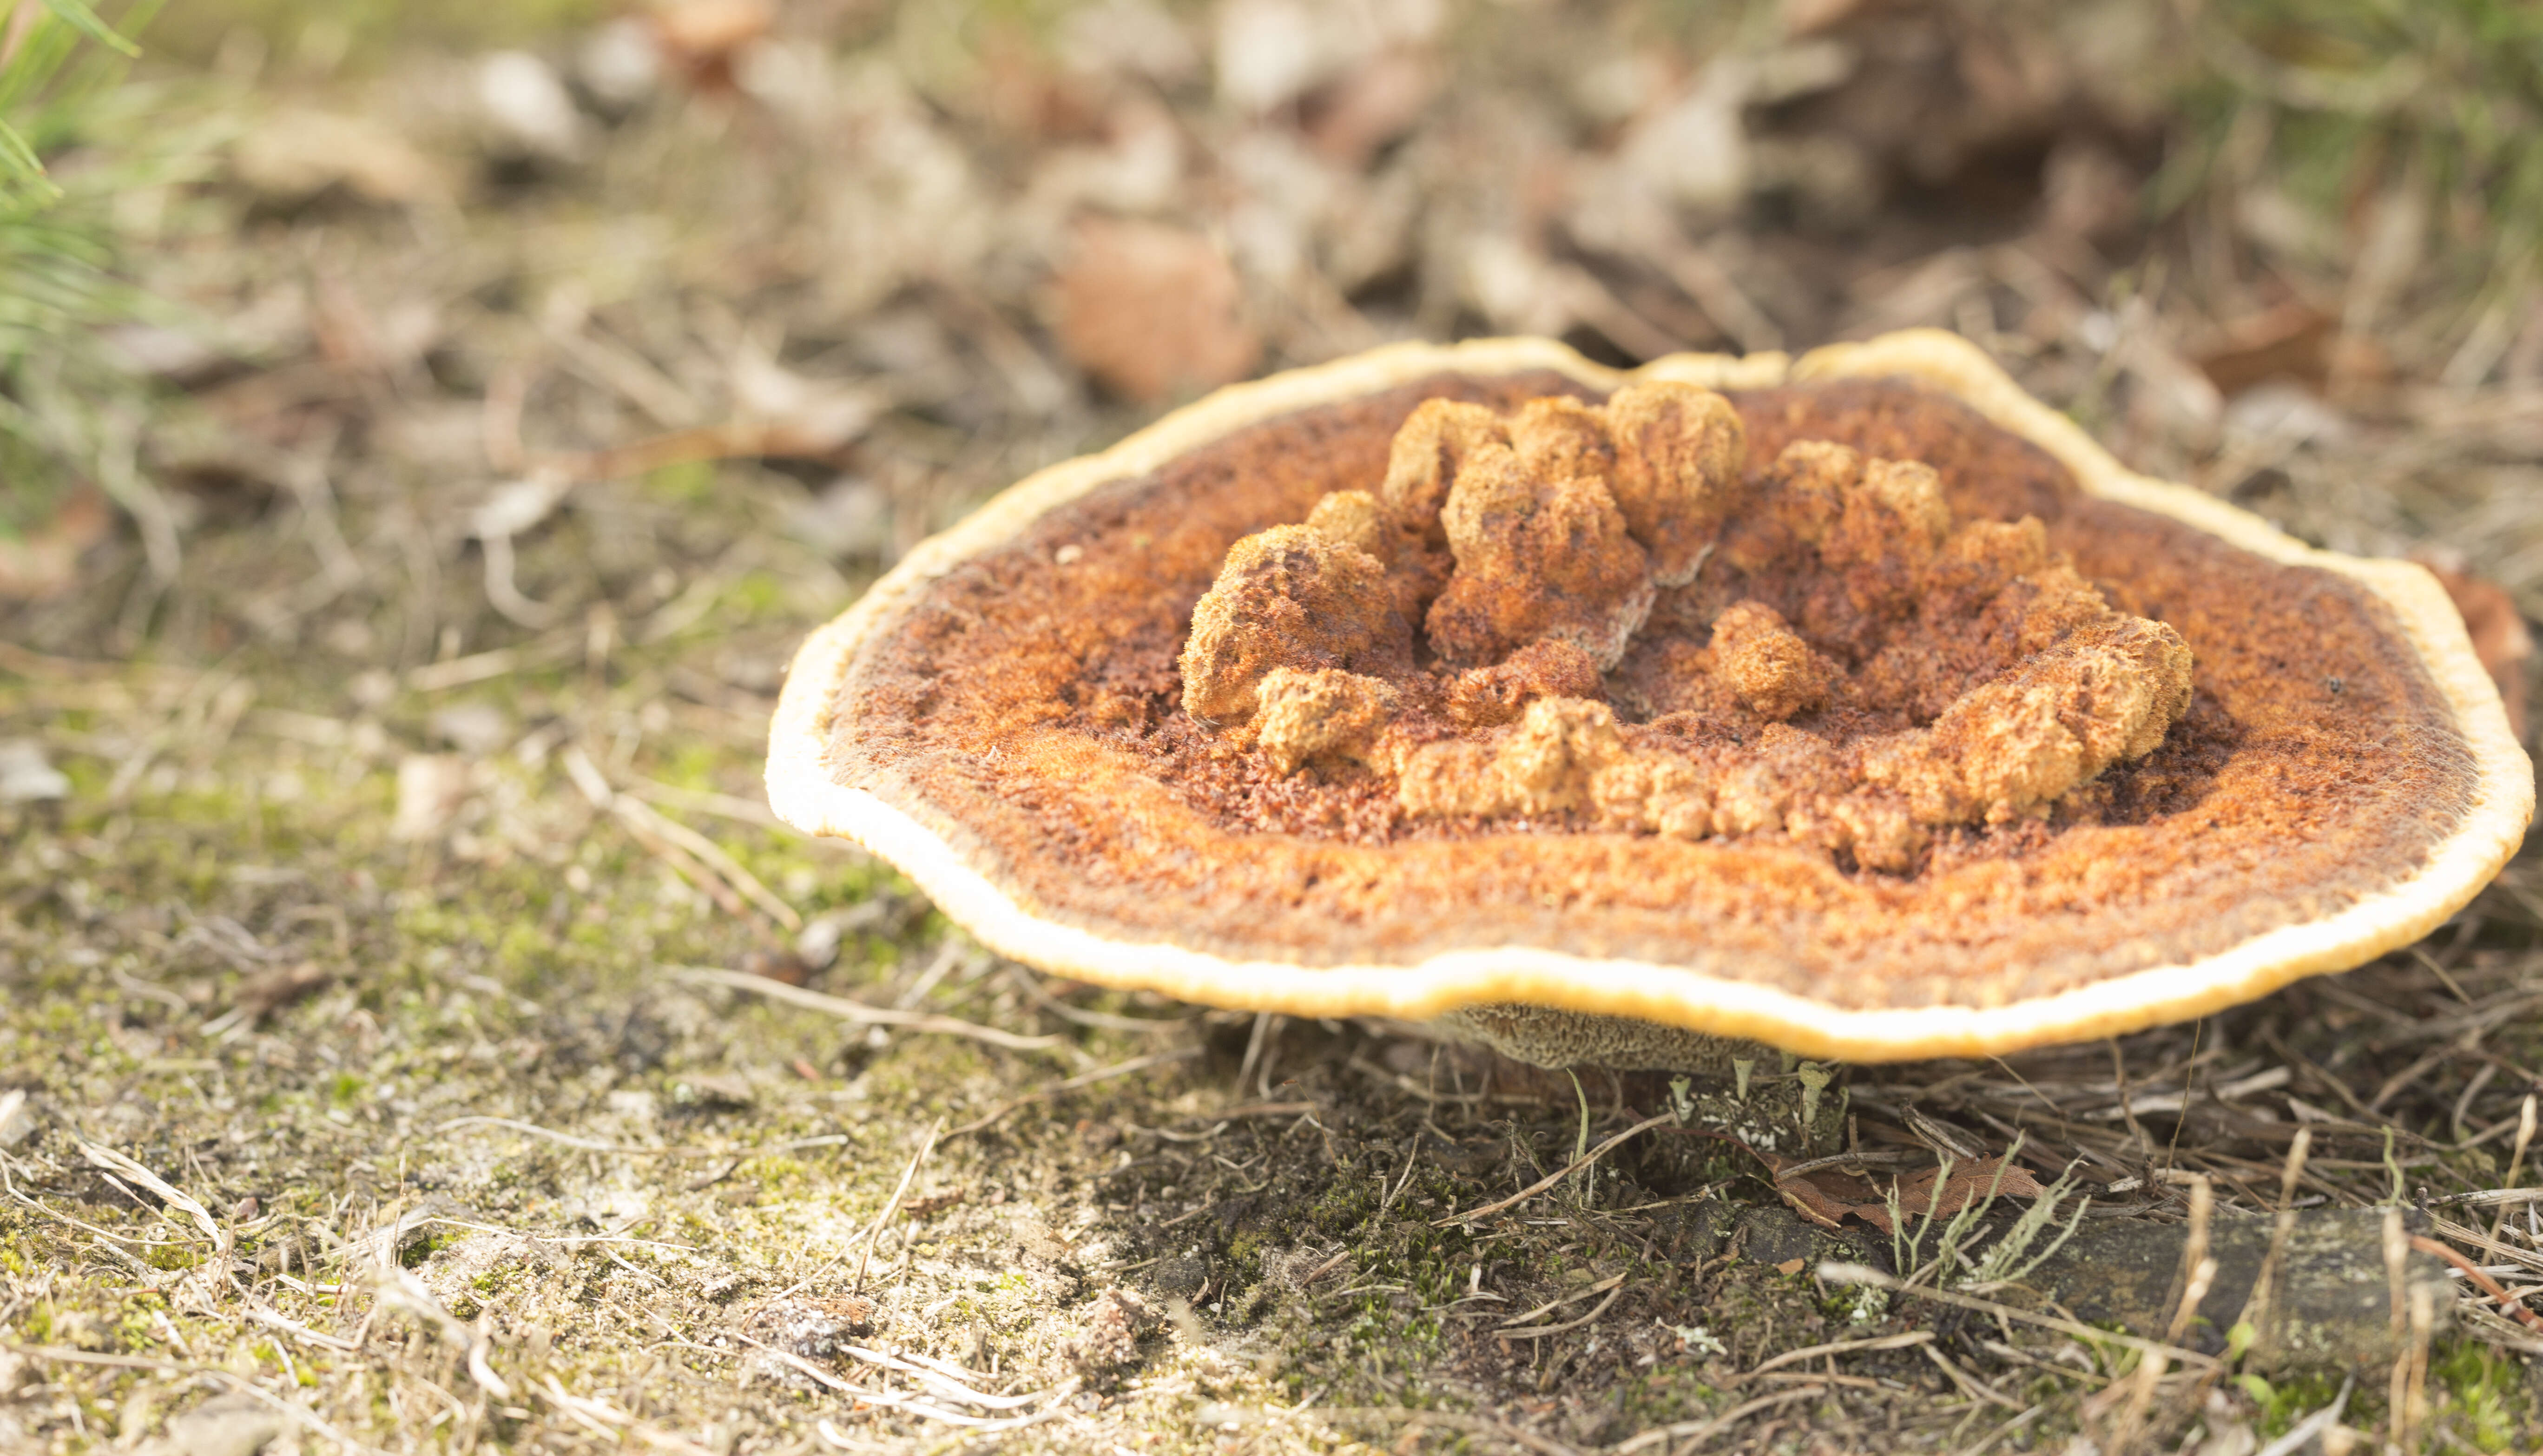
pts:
[2524, 1140]
[1252, 1048]
[1540, 1332]
[1840, 1347]
[1082, 1078]
[1552, 1178]
[2256, 1306]
[2196, 1272]
[1699, 1430]
[1835, 1272]
[888, 1209]
[2508, 1303]
[860, 1013]
[2396, 1253]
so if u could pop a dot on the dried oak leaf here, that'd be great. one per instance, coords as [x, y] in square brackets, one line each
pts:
[1825, 1196]
[45, 562]
[1152, 311]
[267, 991]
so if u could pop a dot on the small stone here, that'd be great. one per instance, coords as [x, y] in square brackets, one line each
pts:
[225, 1425]
[17, 1119]
[526, 108]
[26, 776]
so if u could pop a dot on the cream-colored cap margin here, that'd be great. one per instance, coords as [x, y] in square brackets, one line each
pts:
[803, 795]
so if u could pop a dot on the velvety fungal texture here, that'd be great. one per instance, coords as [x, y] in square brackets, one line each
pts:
[1877, 707]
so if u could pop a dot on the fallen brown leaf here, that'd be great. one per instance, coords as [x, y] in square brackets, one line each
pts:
[291, 156]
[2289, 342]
[45, 562]
[704, 38]
[1371, 107]
[1825, 1196]
[269, 990]
[1153, 311]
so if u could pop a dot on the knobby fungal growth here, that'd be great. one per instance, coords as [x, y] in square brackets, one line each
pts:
[1598, 616]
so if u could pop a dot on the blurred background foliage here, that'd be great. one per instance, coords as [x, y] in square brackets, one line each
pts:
[2150, 208]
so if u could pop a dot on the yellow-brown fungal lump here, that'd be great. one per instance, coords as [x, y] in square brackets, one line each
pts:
[1855, 702]
[1842, 664]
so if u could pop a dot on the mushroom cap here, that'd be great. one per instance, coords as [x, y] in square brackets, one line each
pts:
[988, 718]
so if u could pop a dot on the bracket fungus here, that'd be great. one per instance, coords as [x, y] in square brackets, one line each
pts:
[1856, 704]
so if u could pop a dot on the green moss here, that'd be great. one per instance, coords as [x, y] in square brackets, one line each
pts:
[2286, 1402]
[2492, 1404]
[686, 483]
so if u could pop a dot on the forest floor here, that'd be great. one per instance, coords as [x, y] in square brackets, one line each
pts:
[417, 1034]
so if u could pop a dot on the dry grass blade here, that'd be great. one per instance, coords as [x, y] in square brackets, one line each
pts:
[2516, 1158]
[300, 1414]
[1551, 1305]
[1082, 1078]
[1555, 1178]
[875, 1229]
[1519, 1329]
[697, 858]
[1835, 1272]
[568, 1139]
[1838, 1348]
[1040, 995]
[2487, 1198]
[637, 813]
[2479, 1279]
[1696, 1432]
[864, 1013]
[2255, 1314]
[114, 1162]
[1412, 1421]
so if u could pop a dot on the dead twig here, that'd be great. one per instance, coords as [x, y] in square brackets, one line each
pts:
[863, 1013]
[1556, 1177]
[2481, 1279]
[1082, 1078]
[1696, 1432]
[1518, 1327]
[1836, 1272]
[1838, 1348]
[875, 1229]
